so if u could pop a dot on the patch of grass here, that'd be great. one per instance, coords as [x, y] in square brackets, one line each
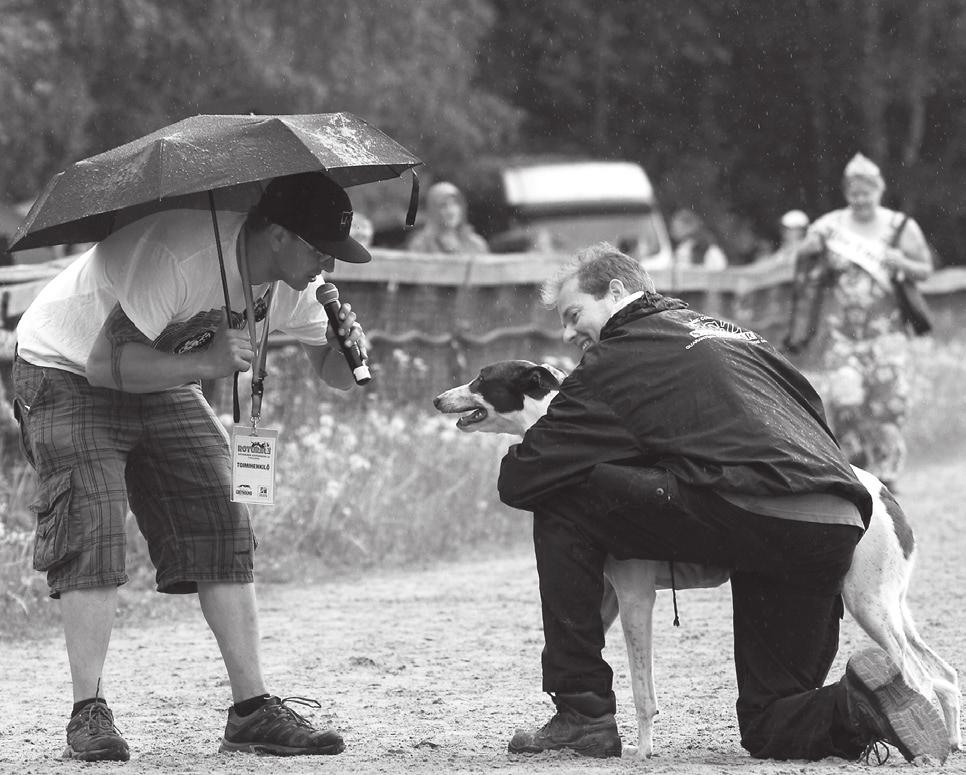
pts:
[383, 487]
[937, 422]
[22, 590]
[377, 486]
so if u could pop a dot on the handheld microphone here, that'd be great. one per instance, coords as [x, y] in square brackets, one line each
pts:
[328, 296]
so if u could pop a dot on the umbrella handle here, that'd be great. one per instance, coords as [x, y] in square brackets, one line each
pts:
[236, 411]
[221, 257]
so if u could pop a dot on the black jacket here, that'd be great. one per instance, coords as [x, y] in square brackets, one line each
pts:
[713, 403]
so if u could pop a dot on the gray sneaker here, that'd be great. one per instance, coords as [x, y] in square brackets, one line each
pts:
[584, 723]
[884, 707]
[92, 736]
[277, 730]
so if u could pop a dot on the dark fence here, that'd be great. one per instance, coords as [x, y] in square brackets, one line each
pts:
[433, 320]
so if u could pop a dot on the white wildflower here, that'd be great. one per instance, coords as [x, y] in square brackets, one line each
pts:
[358, 463]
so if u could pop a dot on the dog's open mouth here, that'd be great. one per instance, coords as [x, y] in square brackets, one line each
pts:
[477, 415]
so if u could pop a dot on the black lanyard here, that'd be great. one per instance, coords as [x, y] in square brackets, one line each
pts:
[260, 348]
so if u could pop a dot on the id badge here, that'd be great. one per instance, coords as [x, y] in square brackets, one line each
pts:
[253, 465]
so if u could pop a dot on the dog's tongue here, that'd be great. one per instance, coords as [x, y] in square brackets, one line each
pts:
[477, 415]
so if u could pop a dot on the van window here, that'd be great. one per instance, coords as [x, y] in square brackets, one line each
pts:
[563, 205]
[634, 233]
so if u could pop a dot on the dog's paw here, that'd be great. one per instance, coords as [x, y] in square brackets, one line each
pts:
[634, 753]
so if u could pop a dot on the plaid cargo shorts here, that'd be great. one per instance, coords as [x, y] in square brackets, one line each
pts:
[96, 451]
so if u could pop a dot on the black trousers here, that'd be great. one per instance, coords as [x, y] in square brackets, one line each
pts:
[786, 588]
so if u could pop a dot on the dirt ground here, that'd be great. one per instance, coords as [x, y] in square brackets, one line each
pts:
[430, 671]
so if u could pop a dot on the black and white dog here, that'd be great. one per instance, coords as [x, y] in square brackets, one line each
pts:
[509, 396]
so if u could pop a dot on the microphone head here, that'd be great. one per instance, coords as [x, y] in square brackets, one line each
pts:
[326, 293]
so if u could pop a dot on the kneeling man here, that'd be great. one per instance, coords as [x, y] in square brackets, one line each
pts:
[683, 437]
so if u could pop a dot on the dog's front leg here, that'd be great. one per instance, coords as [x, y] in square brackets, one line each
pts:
[634, 582]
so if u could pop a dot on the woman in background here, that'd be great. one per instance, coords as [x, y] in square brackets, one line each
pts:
[694, 244]
[446, 229]
[849, 258]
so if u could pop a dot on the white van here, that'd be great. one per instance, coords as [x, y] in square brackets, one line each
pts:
[563, 206]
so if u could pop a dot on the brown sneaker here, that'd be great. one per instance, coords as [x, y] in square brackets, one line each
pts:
[884, 707]
[92, 736]
[584, 723]
[277, 730]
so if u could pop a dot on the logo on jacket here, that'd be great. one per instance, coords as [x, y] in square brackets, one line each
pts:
[710, 328]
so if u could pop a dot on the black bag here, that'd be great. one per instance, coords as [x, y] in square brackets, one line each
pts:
[912, 304]
[810, 285]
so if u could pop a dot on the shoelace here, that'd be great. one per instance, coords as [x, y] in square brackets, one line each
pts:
[99, 719]
[555, 720]
[310, 703]
[878, 749]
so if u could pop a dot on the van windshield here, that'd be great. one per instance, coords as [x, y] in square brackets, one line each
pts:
[633, 233]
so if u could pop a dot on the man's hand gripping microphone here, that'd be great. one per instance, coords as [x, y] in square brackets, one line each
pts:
[328, 296]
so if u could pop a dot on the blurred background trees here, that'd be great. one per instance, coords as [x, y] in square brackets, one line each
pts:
[739, 109]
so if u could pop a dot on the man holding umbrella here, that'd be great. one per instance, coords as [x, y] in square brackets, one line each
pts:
[110, 356]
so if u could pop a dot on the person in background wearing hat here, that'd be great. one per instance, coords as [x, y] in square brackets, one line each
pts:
[846, 264]
[110, 357]
[446, 229]
[793, 226]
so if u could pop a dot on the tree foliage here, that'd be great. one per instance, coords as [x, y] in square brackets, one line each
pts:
[740, 109]
[743, 109]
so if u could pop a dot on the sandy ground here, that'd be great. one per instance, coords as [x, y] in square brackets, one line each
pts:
[430, 671]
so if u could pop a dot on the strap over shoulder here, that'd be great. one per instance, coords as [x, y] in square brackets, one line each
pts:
[902, 219]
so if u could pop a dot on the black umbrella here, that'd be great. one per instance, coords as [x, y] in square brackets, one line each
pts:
[92, 197]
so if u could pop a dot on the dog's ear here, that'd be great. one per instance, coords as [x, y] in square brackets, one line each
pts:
[542, 379]
[556, 373]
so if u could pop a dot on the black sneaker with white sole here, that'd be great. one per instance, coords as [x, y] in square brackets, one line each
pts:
[883, 707]
[92, 736]
[275, 729]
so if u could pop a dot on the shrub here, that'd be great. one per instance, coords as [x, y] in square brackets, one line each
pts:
[360, 485]
[383, 487]
[937, 423]
[21, 588]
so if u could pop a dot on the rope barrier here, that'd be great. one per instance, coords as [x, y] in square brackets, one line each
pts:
[510, 332]
[440, 340]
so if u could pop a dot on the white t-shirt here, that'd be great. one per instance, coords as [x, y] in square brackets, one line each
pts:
[163, 270]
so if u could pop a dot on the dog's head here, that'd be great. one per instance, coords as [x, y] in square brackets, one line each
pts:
[506, 397]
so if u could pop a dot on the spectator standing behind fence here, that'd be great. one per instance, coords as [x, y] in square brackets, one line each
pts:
[362, 230]
[793, 227]
[447, 229]
[694, 244]
[843, 276]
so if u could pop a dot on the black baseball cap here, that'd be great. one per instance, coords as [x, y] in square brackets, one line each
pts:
[315, 208]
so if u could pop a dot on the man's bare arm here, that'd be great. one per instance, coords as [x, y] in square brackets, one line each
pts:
[119, 331]
[123, 359]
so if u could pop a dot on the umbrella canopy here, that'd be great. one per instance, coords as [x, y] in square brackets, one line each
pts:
[10, 220]
[88, 200]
